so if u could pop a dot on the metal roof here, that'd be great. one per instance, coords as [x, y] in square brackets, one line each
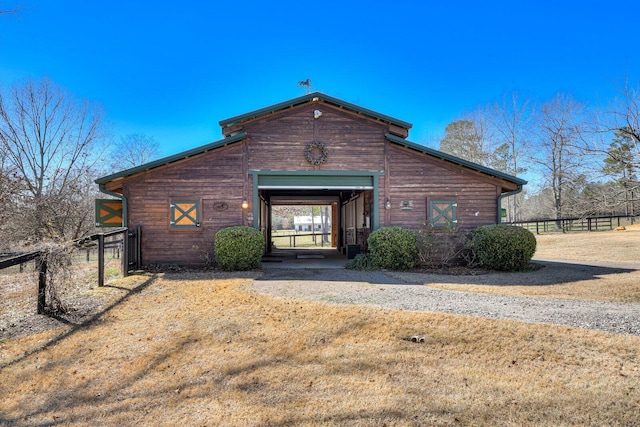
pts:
[312, 97]
[455, 160]
[173, 158]
[315, 97]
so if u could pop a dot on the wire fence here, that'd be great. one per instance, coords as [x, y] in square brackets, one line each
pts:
[89, 262]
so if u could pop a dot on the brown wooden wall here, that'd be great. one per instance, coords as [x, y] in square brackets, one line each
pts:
[212, 178]
[413, 176]
[277, 142]
[353, 143]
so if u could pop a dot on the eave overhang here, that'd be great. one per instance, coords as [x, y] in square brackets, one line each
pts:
[170, 159]
[457, 161]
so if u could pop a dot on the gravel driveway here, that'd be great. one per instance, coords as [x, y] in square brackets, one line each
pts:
[406, 291]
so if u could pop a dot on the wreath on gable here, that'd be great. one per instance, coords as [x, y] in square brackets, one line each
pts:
[316, 153]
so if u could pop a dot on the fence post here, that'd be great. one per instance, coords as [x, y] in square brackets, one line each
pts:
[42, 283]
[100, 259]
[125, 253]
[138, 247]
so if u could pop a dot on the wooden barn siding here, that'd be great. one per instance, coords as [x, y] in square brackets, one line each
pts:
[353, 143]
[210, 178]
[414, 176]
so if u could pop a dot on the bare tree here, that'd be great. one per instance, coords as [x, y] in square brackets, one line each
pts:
[623, 168]
[620, 131]
[134, 150]
[511, 122]
[559, 145]
[494, 136]
[467, 139]
[10, 189]
[627, 117]
[51, 143]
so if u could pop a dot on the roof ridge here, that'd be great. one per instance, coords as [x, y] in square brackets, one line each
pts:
[313, 97]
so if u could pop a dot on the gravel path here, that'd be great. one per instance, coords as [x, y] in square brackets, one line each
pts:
[383, 290]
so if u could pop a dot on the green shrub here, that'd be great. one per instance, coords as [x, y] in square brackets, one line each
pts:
[503, 247]
[393, 248]
[360, 262]
[442, 247]
[238, 248]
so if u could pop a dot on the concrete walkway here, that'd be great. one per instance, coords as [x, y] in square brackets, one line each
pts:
[316, 258]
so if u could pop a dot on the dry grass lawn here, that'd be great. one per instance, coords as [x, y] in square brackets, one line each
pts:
[613, 246]
[565, 278]
[203, 349]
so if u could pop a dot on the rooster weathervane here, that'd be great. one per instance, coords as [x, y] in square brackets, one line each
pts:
[306, 83]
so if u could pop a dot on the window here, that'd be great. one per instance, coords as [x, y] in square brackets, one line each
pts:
[185, 214]
[443, 213]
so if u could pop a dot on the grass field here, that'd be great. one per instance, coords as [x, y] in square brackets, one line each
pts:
[203, 349]
[288, 239]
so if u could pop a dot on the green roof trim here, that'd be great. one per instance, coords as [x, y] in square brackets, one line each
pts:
[309, 98]
[174, 158]
[320, 172]
[455, 160]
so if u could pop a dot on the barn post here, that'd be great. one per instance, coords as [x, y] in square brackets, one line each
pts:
[101, 259]
[42, 282]
[138, 248]
[126, 255]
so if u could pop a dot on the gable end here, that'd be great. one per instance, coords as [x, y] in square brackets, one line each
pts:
[237, 123]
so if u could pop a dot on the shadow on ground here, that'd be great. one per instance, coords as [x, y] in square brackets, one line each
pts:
[84, 324]
[550, 273]
[331, 275]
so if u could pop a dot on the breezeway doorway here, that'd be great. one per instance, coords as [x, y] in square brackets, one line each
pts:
[303, 223]
[348, 201]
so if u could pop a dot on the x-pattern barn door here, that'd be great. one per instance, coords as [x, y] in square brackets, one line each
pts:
[109, 213]
[443, 213]
[185, 214]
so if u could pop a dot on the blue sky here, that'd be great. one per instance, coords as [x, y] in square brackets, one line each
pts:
[172, 70]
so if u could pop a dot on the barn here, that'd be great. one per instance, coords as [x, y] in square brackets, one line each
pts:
[314, 149]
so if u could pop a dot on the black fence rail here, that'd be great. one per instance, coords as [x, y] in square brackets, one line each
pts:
[41, 264]
[303, 240]
[131, 257]
[113, 246]
[130, 244]
[596, 223]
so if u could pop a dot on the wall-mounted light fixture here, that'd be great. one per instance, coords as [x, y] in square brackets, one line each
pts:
[245, 204]
[387, 205]
[317, 114]
[406, 205]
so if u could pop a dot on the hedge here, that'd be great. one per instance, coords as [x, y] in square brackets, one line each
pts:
[503, 247]
[238, 248]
